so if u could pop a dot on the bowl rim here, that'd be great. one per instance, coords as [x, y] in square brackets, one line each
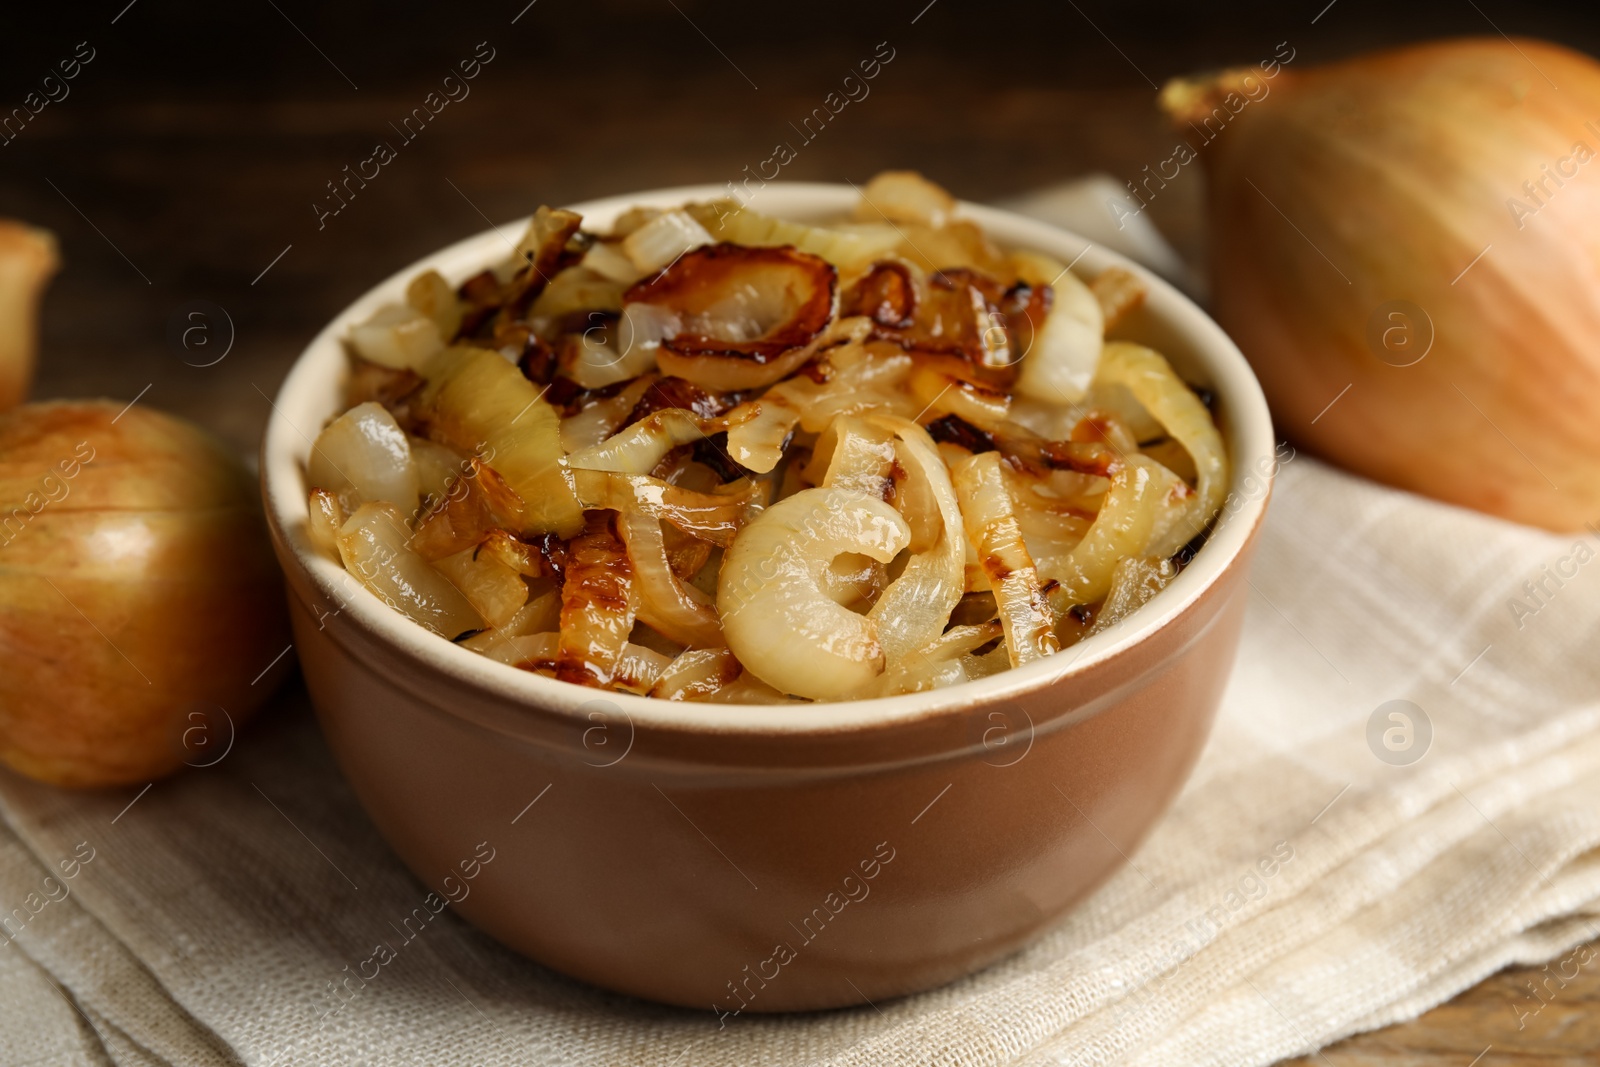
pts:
[307, 387]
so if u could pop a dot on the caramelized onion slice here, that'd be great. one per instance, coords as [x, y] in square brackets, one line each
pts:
[473, 505]
[373, 546]
[695, 674]
[1024, 612]
[714, 517]
[1153, 382]
[636, 670]
[675, 608]
[599, 604]
[749, 315]
[1139, 491]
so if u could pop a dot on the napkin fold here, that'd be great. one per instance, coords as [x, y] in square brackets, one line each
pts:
[1401, 796]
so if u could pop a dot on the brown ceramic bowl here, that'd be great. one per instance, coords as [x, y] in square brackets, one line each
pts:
[750, 858]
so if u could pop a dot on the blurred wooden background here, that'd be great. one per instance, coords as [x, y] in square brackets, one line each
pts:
[183, 162]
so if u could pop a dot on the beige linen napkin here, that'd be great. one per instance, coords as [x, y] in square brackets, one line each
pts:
[1327, 869]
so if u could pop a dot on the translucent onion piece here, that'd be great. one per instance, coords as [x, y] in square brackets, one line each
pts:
[940, 663]
[599, 604]
[636, 669]
[1123, 528]
[982, 666]
[534, 262]
[520, 556]
[861, 457]
[539, 615]
[905, 196]
[603, 355]
[1066, 347]
[758, 429]
[1119, 293]
[601, 418]
[695, 674]
[637, 449]
[476, 504]
[325, 516]
[374, 545]
[1152, 381]
[959, 244]
[576, 291]
[674, 608]
[1024, 612]
[856, 378]
[436, 298]
[639, 668]
[726, 220]
[713, 517]
[530, 652]
[663, 239]
[748, 689]
[477, 402]
[399, 337]
[438, 466]
[915, 607]
[1134, 583]
[776, 618]
[946, 394]
[645, 326]
[1176, 520]
[364, 455]
[495, 589]
[607, 259]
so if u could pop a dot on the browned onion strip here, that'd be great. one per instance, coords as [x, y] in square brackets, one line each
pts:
[474, 504]
[729, 374]
[599, 603]
[695, 674]
[678, 610]
[751, 315]
[991, 524]
[636, 671]
[712, 517]
[539, 251]
[1139, 491]
[946, 394]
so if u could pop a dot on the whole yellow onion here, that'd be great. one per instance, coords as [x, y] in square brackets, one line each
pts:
[27, 261]
[140, 607]
[1407, 247]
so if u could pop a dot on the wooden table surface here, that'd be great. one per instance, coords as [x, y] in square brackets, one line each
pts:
[185, 162]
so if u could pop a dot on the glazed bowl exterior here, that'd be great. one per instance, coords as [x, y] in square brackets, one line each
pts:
[745, 858]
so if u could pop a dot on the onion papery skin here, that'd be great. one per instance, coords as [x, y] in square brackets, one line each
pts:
[1397, 170]
[140, 606]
